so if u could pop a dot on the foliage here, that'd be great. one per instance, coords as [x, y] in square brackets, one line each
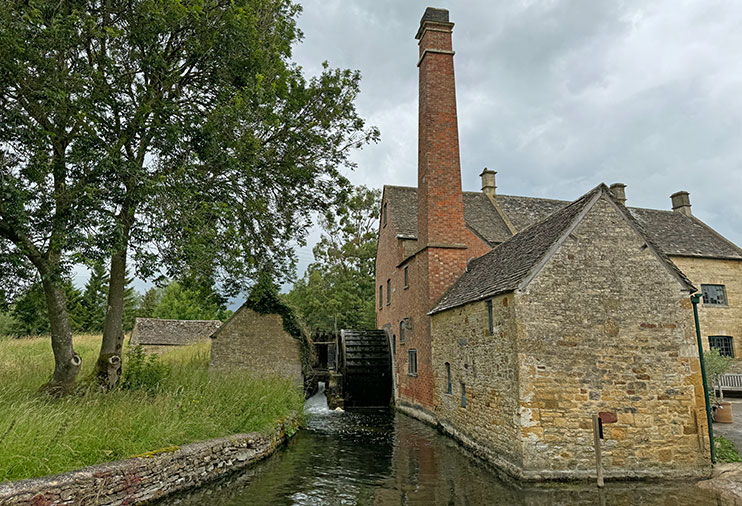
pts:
[716, 365]
[264, 299]
[337, 290]
[29, 314]
[7, 322]
[40, 435]
[726, 451]
[149, 302]
[179, 302]
[94, 299]
[143, 371]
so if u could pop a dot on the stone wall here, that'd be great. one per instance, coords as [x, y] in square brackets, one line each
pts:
[486, 364]
[257, 342]
[717, 320]
[148, 477]
[606, 326]
[603, 326]
[159, 332]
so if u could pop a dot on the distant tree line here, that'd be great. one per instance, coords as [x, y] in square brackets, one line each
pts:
[27, 316]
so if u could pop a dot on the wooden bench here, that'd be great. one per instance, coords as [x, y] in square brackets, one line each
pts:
[730, 383]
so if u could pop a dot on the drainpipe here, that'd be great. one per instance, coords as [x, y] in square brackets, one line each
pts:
[695, 299]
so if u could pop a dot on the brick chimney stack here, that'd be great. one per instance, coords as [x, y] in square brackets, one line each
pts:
[440, 215]
[681, 203]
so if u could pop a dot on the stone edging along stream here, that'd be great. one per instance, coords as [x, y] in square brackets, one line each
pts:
[150, 476]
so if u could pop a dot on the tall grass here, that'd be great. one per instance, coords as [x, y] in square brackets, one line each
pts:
[40, 435]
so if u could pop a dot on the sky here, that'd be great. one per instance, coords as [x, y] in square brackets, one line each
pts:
[556, 96]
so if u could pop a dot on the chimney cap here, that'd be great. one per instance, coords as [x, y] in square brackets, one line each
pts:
[433, 15]
[487, 171]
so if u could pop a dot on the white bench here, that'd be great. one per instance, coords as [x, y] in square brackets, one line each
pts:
[730, 383]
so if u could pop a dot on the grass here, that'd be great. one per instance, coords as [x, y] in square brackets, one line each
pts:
[40, 435]
[725, 450]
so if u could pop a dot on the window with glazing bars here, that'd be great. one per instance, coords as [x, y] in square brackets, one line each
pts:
[412, 362]
[714, 295]
[725, 345]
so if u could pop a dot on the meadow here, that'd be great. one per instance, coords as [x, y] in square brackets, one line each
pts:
[168, 401]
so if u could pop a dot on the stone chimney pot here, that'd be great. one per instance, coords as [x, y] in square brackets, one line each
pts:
[681, 203]
[618, 190]
[488, 182]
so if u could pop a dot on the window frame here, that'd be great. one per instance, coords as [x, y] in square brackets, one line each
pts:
[406, 277]
[381, 297]
[402, 328]
[463, 395]
[490, 318]
[449, 383]
[726, 349]
[388, 291]
[723, 293]
[412, 359]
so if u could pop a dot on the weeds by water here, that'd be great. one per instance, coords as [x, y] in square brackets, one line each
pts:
[168, 401]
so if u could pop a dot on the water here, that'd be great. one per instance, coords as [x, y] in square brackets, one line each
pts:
[381, 458]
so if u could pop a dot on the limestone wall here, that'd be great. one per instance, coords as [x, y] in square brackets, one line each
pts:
[717, 320]
[142, 479]
[259, 343]
[605, 326]
[486, 365]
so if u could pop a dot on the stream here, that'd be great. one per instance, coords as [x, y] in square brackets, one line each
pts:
[385, 458]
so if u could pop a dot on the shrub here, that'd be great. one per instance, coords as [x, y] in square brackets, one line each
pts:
[143, 371]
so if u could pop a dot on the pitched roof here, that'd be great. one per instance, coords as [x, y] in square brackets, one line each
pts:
[677, 234]
[154, 331]
[673, 233]
[506, 266]
[479, 214]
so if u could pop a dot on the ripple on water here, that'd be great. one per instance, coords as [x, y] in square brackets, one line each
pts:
[384, 459]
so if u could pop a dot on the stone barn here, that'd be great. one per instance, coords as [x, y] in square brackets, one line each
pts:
[259, 343]
[155, 334]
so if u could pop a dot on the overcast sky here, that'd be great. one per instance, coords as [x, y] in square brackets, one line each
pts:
[557, 96]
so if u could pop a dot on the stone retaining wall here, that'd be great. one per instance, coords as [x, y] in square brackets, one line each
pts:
[147, 477]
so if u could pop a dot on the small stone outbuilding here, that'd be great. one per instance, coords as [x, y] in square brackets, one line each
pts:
[155, 333]
[259, 343]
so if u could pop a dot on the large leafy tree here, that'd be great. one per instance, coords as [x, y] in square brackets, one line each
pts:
[179, 130]
[337, 290]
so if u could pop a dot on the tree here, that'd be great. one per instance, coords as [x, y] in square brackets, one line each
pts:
[337, 290]
[179, 130]
[94, 299]
[48, 169]
[29, 310]
[179, 302]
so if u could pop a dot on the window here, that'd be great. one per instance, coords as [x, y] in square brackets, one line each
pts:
[406, 276]
[490, 317]
[384, 213]
[388, 291]
[449, 385]
[412, 362]
[381, 297]
[725, 345]
[714, 295]
[463, 395]
[401, 332]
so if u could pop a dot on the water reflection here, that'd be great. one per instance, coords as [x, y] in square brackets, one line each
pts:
[379, 458]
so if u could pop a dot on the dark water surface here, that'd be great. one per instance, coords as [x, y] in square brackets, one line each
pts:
[383, 458]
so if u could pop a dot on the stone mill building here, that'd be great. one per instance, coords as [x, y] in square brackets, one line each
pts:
[514, 319]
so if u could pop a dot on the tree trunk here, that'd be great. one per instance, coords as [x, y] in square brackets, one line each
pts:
[66, 361]
[108, 367]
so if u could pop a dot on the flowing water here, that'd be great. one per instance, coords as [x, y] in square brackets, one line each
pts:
[381, 458]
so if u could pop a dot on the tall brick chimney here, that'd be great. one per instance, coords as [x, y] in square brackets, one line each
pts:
[440, 207]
